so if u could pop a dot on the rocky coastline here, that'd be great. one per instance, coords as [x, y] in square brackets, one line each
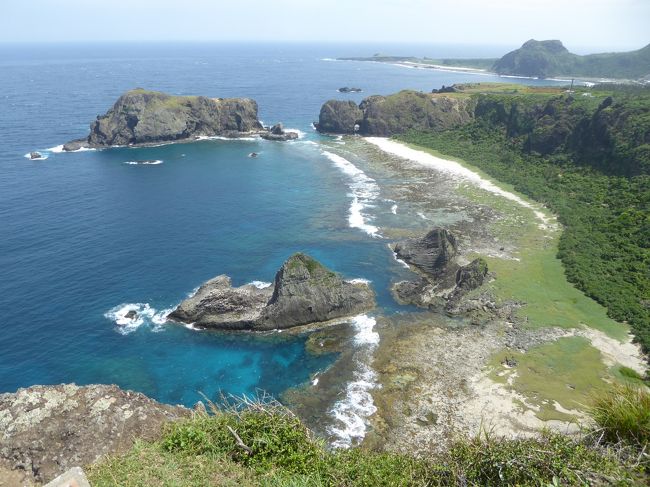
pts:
[304, 292]
[141, 118]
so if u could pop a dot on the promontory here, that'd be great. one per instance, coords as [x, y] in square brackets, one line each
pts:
[142, 117]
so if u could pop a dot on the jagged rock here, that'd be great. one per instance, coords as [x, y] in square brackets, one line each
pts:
[472, 275]
[48, 429]
[131, 315]
[339, 117]
[35, 155]
[395, 114]
[219, 305]
[304, 292]
[278, 133]
[142, 117]
[431, 254]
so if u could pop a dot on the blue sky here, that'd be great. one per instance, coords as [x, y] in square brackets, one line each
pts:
[580, 24]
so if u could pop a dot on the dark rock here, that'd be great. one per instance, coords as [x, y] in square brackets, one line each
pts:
[143, 117]
[75, 145]
[339, 117]
[446, 89]
[131, 315]
[218, 305]
[277, 133]
[304, 292]
[395, 114]
[472, 275]
[35, 155]
[347, 89]
[431, 254]
[253, 154]
[46, 430]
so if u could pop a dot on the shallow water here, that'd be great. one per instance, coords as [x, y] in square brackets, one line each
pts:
[85, 234]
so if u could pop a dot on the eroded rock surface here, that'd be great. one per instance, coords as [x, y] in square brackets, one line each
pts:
[304, 292]
[48, 429]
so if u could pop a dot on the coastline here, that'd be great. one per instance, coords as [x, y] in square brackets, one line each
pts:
[439, 379]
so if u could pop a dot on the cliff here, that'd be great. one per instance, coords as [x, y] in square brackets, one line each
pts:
[304, 292]
[143, 117]
[48, 429]
[549, 58]
[394, 114]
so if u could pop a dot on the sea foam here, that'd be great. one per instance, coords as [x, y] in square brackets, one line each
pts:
[145, 314]
[363, 190]
[351, 413]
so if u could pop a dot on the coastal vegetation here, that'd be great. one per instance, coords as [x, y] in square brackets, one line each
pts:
[587, 159]
[262, 443]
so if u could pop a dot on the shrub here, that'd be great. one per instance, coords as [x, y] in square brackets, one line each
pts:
[623, 414]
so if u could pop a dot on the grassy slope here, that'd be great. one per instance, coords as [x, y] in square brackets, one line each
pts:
[202, 451]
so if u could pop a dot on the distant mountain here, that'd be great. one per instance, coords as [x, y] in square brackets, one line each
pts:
[550, 58]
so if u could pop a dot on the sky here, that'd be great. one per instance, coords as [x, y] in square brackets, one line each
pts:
[582, 25]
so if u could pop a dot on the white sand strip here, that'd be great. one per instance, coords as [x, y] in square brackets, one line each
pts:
[451, 167]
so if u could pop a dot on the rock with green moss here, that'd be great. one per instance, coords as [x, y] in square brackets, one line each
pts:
[395, 114]
[304, 292]
[472, 275]
[141, 117]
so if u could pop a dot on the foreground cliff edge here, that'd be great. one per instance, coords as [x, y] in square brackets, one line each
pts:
[142, 117]
[304, 292]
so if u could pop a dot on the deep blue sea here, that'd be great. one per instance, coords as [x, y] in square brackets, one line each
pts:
[85, 234]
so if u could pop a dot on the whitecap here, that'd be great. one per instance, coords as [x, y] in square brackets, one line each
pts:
[144, 163]
[55, 150]
[365, 330]
[261, 284]
[363, 190]
[144, 314]
[359, 280]
[29, 156]
[393, 209]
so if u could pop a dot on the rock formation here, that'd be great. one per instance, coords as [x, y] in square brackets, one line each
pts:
[141, 117]
[278, 133]
[394, 114]
[443, 282]
[48, 429]
[304, 292]
[347, 89]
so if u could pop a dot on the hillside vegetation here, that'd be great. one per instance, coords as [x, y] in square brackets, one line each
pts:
[588, 159]
[546, 59]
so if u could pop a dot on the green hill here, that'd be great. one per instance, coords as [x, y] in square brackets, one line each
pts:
[550, 58]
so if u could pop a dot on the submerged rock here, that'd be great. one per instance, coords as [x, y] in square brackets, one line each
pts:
[304, 292]
[144, 117]
[48, 429]
[278, 133]
[347, 89]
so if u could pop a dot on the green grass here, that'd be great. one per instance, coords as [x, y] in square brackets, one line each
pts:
[567, 370]
[203, 451]
[623, 414]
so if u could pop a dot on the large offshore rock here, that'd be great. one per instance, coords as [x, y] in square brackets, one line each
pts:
[144, 117]
[304, 292]
[48, 429]
[339, 117]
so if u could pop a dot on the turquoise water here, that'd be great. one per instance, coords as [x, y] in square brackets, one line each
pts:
[86, 233]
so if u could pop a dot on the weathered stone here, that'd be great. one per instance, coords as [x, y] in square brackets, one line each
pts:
[35, 155]
[48, 429]
[430, 254]
[75, 477]
[339, 117]
[304, 292]
[472, 275]
[144, 117]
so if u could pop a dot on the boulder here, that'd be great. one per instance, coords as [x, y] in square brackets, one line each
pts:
[431, 254]
[141, 117]
[277, 133]
[47, 430]
[35, 155]
[304, 292]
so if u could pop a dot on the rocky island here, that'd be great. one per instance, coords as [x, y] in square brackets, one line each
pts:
[142, 117]
[304, 292]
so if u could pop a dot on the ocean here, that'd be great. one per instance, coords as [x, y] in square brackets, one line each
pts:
[86, 235]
